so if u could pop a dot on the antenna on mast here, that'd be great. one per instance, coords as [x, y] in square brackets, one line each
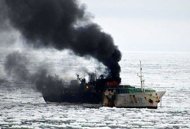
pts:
[141, 77]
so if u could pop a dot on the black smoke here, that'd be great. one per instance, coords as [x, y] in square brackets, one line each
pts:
[63, 24]
[17, 67]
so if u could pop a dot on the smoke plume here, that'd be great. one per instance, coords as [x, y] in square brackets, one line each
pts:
[3, 16]
[17, 67]
[63, 24]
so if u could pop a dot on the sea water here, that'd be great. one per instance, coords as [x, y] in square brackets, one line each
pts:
[23, 107]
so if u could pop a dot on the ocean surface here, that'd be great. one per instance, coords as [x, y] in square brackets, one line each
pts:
[21, 106]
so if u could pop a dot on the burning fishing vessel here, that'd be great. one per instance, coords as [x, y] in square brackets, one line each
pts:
[64, 25]
[106, 92]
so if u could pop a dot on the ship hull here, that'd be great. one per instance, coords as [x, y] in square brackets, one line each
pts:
[88, 97]
[125, 100]
[138, 100]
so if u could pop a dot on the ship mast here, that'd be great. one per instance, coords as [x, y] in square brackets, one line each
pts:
[141, 78]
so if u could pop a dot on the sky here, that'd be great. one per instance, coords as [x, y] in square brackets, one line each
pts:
[144, 25]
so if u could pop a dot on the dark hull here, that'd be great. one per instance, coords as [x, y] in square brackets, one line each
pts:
[90, 98]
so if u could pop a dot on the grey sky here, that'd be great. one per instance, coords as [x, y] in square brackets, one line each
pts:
[152, 25]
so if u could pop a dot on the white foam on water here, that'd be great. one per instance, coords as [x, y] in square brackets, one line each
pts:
[25, 108]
